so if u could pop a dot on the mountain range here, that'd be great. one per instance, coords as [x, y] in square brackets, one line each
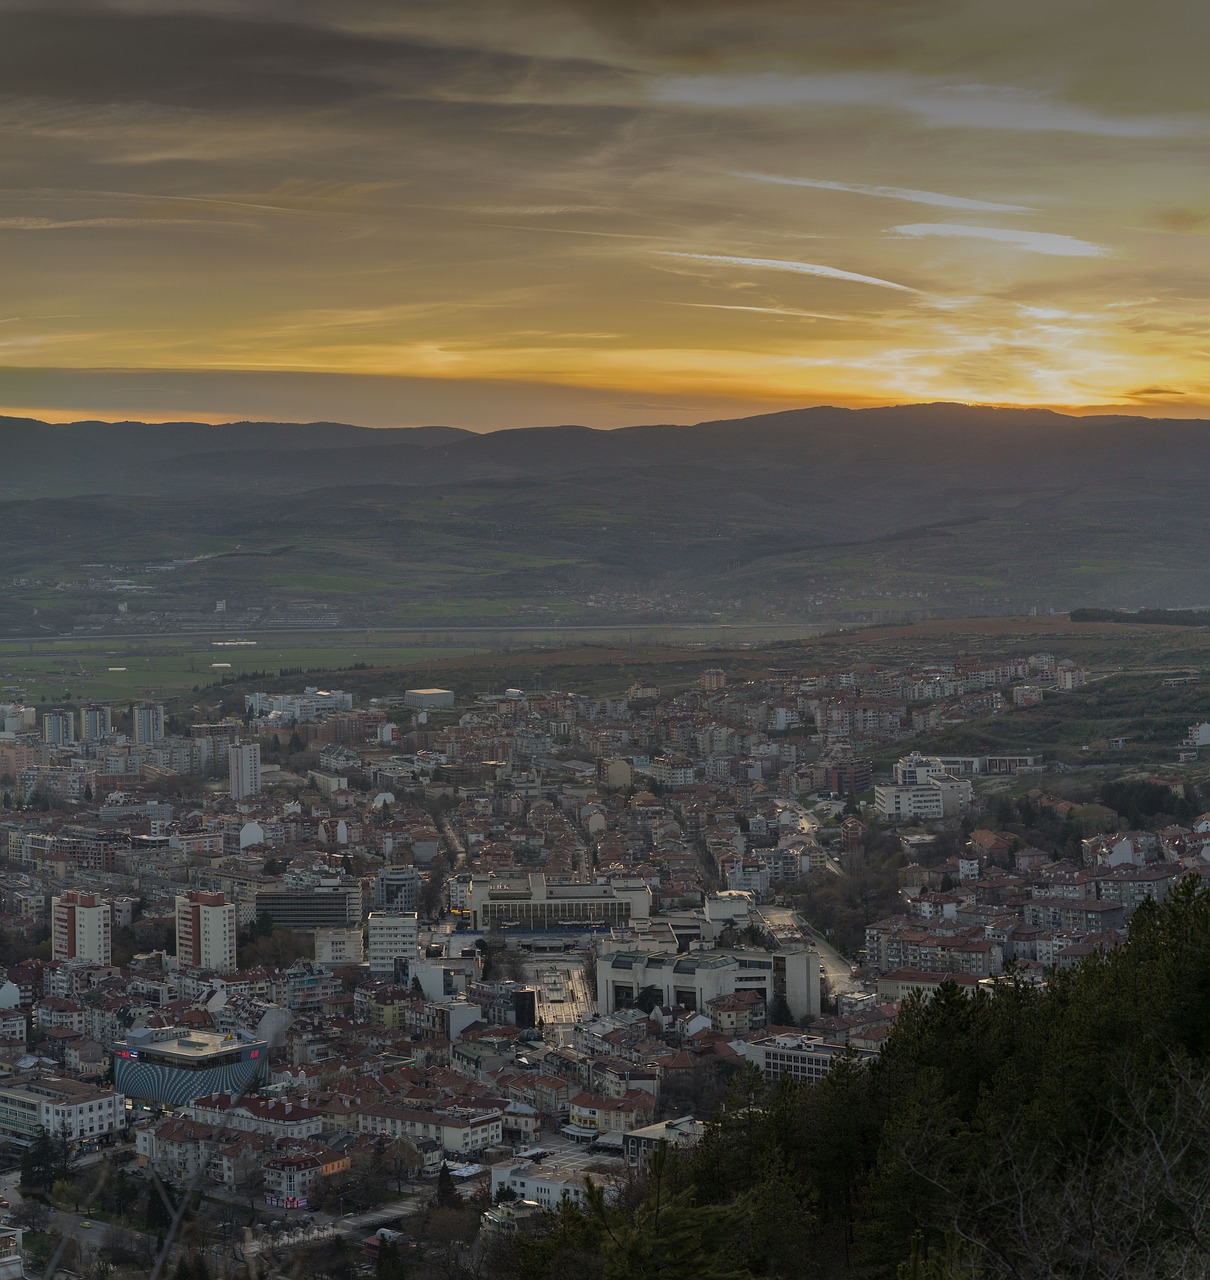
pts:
[819, 514]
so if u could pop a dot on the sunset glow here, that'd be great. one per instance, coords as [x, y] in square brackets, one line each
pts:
[494, 214]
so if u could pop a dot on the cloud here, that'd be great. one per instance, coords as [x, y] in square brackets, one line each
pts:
[800, 268]
[1155, 391]
[937, 102]
[909, 194]
[768, 311]
[1031, 241]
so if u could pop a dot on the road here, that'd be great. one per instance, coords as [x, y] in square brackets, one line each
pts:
[832, 964]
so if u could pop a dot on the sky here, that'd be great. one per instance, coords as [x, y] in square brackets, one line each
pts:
[498, 213]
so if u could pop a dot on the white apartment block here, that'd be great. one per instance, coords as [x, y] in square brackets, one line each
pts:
[206, 925]
[391, 936]
[243, 770]
[81, 927]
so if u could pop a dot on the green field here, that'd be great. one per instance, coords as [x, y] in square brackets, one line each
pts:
[111, 670]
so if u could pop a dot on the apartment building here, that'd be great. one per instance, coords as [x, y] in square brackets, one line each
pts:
[205, 931]
[81, 927]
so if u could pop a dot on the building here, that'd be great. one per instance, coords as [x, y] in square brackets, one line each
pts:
[543, 1184]
[801, 1057]
[323, 906]
[59, 728]
[243, 770]
[528, 900]
[428, 699]
[81, 927]
[205, 931]
[336, 948]
[937, 797]
[96, 722]
[148, 719]
[638, 1144]
[391, 942]
[178, 1067]
[11, 1265]
[89, 1115]
[693, 979]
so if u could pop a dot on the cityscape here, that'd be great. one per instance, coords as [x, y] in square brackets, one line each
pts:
[604, 645]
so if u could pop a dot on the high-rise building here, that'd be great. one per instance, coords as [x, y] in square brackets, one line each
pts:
[148, 722]
[95, 722]
[391, 936]
[59, 727]
[205, 931]
[243, 769]
[81, 927]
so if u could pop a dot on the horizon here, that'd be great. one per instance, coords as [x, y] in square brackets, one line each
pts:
[565, 211]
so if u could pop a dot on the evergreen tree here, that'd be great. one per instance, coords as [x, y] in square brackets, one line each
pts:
[447, 1193]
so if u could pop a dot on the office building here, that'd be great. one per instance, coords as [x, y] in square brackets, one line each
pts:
[81, 927]
[527, 900]
[148, 718]
[336, 948]
[178, 1066]
[323, 906]
[205, 931]
[243, 770]
[391, 942]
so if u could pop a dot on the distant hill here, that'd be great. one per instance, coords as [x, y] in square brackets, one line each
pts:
[822, 512]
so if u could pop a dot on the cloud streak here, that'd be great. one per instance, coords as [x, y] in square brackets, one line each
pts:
[908, 194]
[798, 268]
[1045, 242]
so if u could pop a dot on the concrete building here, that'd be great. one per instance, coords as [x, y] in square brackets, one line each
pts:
[205, 931]
[638, 1144]
[527, 900]
[801, 1057]
[179, 1066]
[148, 718]
[88, 1114]
[939, 796]
[59, 728]
[96, 722]
[243, 770]
[695, 978]
[81, 927]
[336, 948]
[391, 942]
[428, 699]
[323, 906]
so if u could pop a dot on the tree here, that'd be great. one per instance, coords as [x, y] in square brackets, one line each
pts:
[389, 1264]
[779, 1012]
[648, 999]
[447, 1196]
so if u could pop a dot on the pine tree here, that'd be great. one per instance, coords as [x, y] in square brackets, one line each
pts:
[447, 1192]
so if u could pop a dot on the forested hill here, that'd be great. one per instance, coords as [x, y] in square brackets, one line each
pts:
[1019, 1134]
[815, 514]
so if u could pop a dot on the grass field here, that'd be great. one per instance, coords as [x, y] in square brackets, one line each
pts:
[111, 670]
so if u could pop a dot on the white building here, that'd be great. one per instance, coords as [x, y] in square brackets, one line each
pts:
[81, 927]
[205, 931]
[83, 1112]
[335, 948]
[428, 699]
[543, 1184]
[527, 900]
[243, 769]
[694, 978]
[801, 1057]
[939, 796]
[391, 936]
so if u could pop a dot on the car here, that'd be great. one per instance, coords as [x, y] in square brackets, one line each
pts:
[3, 1203]
[86, 1224]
